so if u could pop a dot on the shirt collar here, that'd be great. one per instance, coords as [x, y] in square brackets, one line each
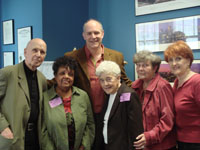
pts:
[27, 70]
[89, 55]
[53, 94]
[152, 85]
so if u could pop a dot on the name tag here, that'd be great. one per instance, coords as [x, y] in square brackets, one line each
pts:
[125, 97]
[55, 102]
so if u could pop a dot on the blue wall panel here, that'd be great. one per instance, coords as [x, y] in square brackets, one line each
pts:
[62, 25]
[25, 13]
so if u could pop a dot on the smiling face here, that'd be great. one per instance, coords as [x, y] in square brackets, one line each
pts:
[179, 65]
[35, 53]
[145, 70]
[64, 78]
[109, 83]
[93, 34]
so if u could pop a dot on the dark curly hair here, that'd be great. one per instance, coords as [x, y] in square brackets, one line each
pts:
[65, 61]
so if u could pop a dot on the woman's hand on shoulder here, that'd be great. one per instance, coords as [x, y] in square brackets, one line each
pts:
[141, 142]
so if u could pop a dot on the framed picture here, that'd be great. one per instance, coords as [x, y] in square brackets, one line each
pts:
[8, 58]
[8, 32]
[158, 35]
[24, 35]
[46, 69]
[143, 7]
[165, 72]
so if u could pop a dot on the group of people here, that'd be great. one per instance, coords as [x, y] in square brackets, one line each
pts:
[92, 105]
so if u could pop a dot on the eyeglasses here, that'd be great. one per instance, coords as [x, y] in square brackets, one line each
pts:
[107, 80]
[142, 65]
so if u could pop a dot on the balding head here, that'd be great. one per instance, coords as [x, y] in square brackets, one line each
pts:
[35, 53]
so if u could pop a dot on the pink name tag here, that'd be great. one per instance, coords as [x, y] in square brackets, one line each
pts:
[55, 102]
[125, 97]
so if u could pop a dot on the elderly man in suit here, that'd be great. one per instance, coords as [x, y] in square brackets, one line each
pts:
[88, 58]
[21, 88]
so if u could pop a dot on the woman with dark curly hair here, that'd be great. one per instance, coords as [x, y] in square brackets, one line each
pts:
[68, 116]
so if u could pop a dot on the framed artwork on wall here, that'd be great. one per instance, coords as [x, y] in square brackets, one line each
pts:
[143, 7]
[165, 72]
[158, 35]
[8, 32]
[8, 58]
[24, 35]
[46, 69]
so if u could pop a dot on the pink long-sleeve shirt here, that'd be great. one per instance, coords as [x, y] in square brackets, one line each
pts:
[158, 113]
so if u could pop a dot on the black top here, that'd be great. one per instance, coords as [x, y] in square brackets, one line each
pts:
[31, 77]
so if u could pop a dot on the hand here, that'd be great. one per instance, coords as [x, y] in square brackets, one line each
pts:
[7, 133]
[81, 147]
[141, 141]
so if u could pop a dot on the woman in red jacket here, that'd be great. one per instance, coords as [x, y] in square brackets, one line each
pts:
[157, 104]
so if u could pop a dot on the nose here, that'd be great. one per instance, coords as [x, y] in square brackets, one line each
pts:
[93, 35]
[140, 67]
[38, 53]
[66, 75]
[173, 62]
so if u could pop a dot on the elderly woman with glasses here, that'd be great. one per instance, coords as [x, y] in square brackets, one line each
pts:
[121, 115]
[186, 95]
[156, 96]
[68, 116]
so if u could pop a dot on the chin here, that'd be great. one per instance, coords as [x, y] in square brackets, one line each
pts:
[107, 92]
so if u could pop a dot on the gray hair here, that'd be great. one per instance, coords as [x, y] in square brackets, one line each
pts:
[92, 20]
[108, 67]
[144, 56]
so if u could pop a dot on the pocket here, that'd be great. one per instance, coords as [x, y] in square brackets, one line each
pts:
[5, 144]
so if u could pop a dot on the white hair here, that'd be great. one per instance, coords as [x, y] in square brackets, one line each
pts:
[108, 67]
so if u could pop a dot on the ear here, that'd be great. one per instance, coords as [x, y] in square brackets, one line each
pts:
[102, 33]
[83, 34]
[155, 68]
[188, 61]
[25, 50]
[119, 77]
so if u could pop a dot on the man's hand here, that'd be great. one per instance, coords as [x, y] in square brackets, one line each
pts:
[7, 133]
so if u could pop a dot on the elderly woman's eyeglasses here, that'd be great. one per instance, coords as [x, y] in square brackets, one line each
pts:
[142, 65]
[107, 80]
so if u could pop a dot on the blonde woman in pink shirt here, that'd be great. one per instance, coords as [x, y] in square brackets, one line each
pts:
[186, 95]
[157, 104]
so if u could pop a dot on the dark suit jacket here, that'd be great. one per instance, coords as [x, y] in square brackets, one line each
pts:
[15, 104]
[125, 121]
[83, 80]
